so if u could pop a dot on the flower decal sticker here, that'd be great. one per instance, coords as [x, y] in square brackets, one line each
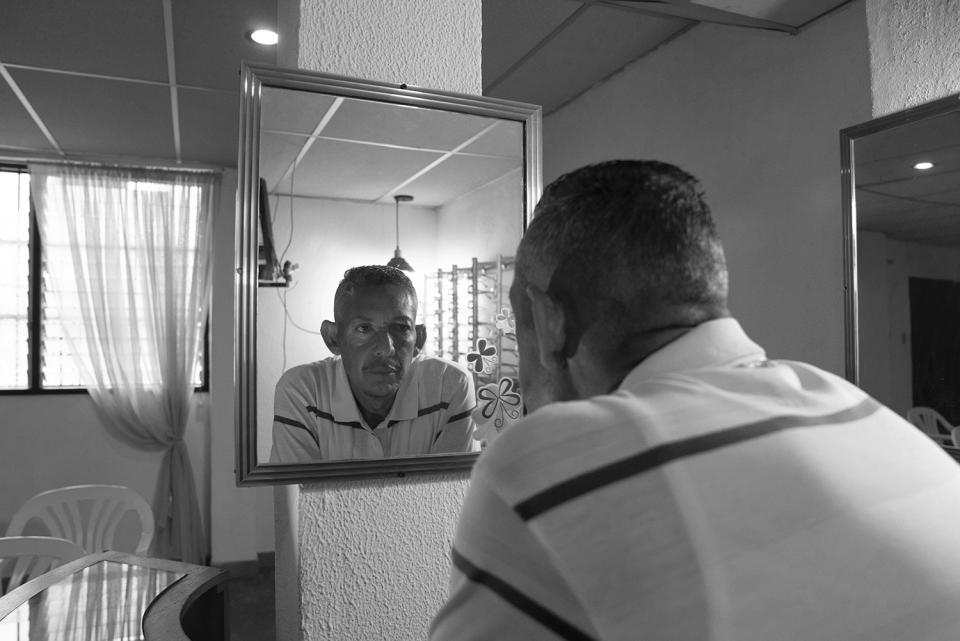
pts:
[483, 360]
[498, 404]
[505, 321]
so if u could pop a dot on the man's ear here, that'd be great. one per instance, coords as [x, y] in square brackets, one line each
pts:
[328, 330]
[550, 327]
[421, 337]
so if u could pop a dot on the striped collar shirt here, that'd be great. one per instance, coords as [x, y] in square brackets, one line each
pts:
[317, 418]
[714, 495]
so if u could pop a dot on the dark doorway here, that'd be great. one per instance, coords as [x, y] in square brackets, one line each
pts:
[935, 345]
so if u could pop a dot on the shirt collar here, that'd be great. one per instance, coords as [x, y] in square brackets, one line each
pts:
[710, 344]
[406, 405]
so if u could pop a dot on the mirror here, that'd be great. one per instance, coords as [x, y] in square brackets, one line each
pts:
[337, 172]
[902, 258]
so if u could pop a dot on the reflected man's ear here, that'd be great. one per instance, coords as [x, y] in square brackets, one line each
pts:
[550, 328]
[421, 337]
[328, 330]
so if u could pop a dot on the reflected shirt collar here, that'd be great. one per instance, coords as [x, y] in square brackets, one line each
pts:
[406, 405]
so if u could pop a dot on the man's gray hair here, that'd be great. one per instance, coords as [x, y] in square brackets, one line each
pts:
[370, 276]
[626, 241]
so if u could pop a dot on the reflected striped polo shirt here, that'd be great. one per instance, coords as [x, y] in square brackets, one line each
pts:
[316, 416]
[714, 495]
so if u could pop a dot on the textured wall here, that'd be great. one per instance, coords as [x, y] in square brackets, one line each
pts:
[914, 52]
[373, 555]
[425, 43]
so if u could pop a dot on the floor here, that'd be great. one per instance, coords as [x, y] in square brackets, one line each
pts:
[252, 605]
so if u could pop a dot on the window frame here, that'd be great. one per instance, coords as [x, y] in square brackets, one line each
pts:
[35, 318]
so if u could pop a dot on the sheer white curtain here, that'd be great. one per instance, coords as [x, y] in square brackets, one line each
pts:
[135, 261]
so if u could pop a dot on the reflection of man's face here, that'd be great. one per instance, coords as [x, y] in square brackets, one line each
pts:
[377, 337]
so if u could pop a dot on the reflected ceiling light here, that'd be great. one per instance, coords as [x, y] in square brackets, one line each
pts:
[398, 260]
[922, 166]
[264, 37]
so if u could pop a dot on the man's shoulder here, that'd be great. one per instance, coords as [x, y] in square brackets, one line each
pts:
[436, 367]
[316, 370]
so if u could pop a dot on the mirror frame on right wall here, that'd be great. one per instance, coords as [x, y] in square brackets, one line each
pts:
[849, 139]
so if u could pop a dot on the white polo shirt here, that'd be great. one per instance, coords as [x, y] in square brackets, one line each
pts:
[316, 416]
[714, 495]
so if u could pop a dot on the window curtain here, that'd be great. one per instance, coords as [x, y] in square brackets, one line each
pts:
[136, 266]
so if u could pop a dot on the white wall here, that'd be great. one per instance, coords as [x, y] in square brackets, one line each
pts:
[484, 223]
[756, 116]
[885, 268]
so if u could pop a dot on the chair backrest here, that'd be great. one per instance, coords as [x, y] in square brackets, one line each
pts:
[88, 515]
[929, 420]
[25, 557]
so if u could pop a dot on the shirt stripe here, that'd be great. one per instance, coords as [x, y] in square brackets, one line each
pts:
[647, 460]
[297, 424]
[461, 415]
[564, 629]
[316, 411]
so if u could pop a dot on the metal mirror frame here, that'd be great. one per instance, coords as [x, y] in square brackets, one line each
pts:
[253, 79]
[848, 138]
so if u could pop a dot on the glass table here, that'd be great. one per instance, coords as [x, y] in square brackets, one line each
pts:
[112, 596]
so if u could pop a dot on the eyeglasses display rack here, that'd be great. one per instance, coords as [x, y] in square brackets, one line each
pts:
[466, 310]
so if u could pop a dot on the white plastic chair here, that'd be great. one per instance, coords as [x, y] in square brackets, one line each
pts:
[932, 423]
[25, 557]
[88, 515]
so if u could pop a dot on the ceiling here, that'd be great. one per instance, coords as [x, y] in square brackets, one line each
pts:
[156, 81]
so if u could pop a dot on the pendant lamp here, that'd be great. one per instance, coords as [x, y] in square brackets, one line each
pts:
[398, 261]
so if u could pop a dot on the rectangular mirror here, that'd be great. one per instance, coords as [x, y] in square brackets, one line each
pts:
[337, 172]
[902, 262]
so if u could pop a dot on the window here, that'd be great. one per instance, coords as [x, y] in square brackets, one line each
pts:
[37, 354]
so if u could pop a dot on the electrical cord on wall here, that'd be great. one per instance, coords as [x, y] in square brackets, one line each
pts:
[282, 293]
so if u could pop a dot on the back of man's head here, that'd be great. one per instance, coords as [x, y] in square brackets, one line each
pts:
[366, 276]
[626, 246]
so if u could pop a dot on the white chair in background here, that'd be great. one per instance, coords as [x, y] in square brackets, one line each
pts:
[24, 557]
[88, 515]
[932, 423]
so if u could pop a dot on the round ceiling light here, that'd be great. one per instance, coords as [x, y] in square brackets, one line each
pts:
[264, 37]
[923, 166]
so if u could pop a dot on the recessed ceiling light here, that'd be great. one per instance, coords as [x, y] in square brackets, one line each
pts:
[263, 37]
[923, 165]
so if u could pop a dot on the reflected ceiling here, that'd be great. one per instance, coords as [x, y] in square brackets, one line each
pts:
[905, 203]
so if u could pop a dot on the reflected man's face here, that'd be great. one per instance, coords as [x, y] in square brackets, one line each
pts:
[377, 337]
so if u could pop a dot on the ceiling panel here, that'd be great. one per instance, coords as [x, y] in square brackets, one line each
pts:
[505, 139]
[17, 128]
[456, 176]
[277, 153]
[337, 169]
[102, 117]
[203, 61]
[404, 126]
[122, 38]
[209, 125]
[283, 110]
[580, 56]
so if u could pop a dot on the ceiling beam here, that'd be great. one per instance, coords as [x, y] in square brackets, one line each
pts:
[172, 74]
[22, 97]
[697, 12]
[537, 47]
